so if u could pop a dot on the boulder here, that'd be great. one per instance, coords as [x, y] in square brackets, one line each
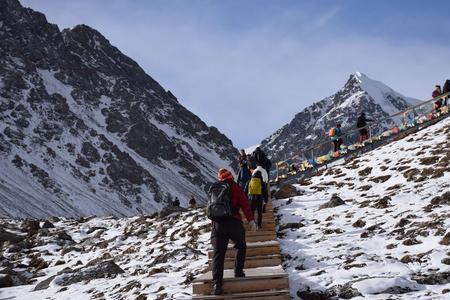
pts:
[6, 280]
[31, 226]
[383, 202]
[9, 236]
[47, 224]
[168, 210]
[290, 226]
[433, 278]
[334, 201]
[446, 239]
[360, 223]
[286, 191]
[44, 284]
[89, 272]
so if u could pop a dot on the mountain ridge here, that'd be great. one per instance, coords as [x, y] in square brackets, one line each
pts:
[85, 130]
[310, 125]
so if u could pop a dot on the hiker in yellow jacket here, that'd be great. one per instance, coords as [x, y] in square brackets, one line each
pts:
[256, 189]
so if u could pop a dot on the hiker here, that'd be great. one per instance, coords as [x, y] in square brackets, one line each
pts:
[226, 197]
[256, 190]
[243, 160]
[265, 179]
[436, 92]
[192, 202]
[335, 135]
[244, 175]
[445, 90]
[267, 167]
[259, 157]
[361, 125]
[176, 202]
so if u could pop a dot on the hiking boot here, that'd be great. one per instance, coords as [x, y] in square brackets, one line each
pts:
[217, 289]
[239, 274]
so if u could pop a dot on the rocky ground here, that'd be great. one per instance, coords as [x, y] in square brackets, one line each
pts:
[142, 257]
[376, 227]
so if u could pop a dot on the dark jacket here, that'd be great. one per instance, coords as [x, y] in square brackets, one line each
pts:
[362, 121]
[259, 157]
[244, 175]
[446, 87]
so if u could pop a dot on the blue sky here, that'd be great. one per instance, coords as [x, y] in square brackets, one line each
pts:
[247, 67]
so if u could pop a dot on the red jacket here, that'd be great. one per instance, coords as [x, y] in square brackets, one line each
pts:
[435, 94]
[239, 200]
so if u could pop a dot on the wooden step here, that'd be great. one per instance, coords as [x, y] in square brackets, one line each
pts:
[265, 295]
[265, 227]
[253, 262]
[260, 232]
[260, 238]
[257, 279]
[253, 249]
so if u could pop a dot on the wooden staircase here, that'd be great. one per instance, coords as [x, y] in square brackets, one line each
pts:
[265, 278]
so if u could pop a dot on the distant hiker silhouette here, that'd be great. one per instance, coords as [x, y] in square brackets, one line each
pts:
[361, 123]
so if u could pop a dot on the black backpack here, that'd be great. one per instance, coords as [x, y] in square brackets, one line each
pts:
[219, 206]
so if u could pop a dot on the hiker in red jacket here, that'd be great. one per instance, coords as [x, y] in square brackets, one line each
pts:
[231, 228]
[436, 93]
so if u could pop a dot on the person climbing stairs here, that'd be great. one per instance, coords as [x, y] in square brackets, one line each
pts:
[264, 276]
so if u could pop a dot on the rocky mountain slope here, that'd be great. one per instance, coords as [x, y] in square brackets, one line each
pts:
[311, 125]
[103, 257]
[376, 227]
[84, 130]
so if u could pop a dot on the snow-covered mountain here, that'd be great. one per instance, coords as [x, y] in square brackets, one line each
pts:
[385, 231]
[387, 237]
[311, 125]
[84, 130]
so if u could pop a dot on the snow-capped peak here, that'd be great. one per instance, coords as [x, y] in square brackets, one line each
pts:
[360, 93]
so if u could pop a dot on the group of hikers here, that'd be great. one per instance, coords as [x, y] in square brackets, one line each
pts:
[249, 193]
[335, 133]
[192, 202]
[226, 198]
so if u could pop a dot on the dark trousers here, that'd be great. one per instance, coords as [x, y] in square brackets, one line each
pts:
[337, 145]
[256, 204]
[363, 135]
[221, 233]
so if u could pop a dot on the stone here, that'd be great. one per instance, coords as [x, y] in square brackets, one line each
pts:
[432, 278]
[446, 239]
[168, 210]
[360, 223]
[89, 272]
[6, 236]
[44, 284]
[383, 202]
[6, 280]
[406, 259]
[31, 226]
[286, 191]
[334, 201]
[290, 226]
[47, 224]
